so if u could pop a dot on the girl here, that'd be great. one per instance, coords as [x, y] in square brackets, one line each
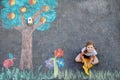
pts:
[88, 56]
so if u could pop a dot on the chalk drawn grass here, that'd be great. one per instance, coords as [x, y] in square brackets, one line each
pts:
[39, 74]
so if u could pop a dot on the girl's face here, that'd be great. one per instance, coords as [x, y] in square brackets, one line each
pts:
[90, 48]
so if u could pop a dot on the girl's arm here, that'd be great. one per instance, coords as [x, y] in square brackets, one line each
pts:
[95, 52]
[91, 59]
[83, 49]
[82, 57]
[82, 53]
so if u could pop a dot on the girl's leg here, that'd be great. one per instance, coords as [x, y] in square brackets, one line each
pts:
[95, 61]
[78, 58]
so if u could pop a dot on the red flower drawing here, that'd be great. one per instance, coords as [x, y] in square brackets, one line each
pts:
[8, 63]
[58, 53]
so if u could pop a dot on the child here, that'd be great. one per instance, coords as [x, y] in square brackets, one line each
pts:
[88, 56]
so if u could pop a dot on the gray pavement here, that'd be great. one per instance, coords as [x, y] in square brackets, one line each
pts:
[77, 22]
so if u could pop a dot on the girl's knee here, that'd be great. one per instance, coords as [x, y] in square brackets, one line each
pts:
[95, 62]
[77, 60]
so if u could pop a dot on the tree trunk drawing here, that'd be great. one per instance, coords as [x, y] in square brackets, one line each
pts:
[26, 53]
[26, 32]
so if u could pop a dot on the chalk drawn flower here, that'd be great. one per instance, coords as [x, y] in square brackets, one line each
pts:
[8, 63]
[60, 62]
[49, 63]
[58, 53]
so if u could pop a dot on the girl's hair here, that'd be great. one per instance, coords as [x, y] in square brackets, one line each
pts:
[89, 43]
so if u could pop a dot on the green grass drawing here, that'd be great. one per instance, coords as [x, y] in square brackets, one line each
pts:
[39, 74]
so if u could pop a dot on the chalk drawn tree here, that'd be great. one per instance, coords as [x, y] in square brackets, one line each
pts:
[26, 16]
